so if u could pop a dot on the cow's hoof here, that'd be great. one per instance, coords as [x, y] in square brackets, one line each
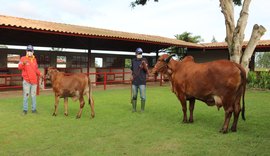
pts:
[190, 121]
[66, 114]
[233, 129]
[92, 116]
[185, 121]
[223, 131]
[53, 114]
[78, 117]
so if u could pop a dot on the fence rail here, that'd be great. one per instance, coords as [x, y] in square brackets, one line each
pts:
[7, 81]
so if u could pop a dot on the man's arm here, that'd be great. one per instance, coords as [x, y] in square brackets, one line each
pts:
[145, 66]
[22, 64]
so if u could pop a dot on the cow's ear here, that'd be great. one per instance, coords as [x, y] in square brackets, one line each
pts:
[167, 60]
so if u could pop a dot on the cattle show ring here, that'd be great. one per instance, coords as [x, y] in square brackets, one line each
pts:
[198, 105]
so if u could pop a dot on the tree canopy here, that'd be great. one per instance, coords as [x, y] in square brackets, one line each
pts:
[185, 36]
[143, 2]
[214, 40]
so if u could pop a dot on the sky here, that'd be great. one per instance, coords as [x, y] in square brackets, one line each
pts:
[165, 18]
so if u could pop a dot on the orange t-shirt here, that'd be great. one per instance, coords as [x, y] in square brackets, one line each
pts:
[30, 69]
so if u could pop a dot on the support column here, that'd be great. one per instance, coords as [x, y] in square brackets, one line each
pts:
[89, 61]
[156, 56]
[155, 63]
[252, 62]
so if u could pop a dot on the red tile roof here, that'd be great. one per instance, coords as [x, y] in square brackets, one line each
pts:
[23, 23]
[261, 43]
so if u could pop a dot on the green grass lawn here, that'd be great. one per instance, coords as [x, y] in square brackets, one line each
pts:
[117, 131]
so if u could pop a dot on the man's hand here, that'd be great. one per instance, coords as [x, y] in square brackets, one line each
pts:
[24, 62]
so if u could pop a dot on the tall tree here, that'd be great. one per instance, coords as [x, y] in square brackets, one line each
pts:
[185, 36]
[188, 37]
[234, 32]
[214, 40]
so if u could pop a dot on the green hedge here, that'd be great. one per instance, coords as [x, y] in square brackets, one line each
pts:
[259, 80]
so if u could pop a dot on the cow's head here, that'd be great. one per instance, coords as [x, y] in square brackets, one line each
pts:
[51, 71]
[162, 64]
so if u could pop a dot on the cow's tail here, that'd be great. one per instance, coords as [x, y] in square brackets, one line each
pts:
[243, 98]
[243, 85]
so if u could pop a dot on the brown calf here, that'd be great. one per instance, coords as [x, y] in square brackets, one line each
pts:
[221, 83]
[74, 86]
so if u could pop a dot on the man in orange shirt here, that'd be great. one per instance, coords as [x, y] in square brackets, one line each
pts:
[28, 65]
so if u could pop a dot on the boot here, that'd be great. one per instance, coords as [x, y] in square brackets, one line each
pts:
[134, 103]
[142, 105]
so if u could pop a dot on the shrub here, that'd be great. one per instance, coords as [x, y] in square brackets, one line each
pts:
[258, 80]
[252, 79]
[264, 80]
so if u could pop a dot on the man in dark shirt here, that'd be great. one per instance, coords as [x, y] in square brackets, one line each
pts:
[139, 67]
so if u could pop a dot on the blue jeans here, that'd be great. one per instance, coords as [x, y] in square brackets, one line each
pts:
[135, 92]
[27, 89]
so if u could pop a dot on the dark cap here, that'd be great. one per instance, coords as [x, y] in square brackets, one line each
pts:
[139, 51]
[30, 48]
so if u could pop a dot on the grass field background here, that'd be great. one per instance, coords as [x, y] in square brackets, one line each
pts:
[117, 131]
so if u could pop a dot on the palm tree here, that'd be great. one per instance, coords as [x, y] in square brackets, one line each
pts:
[185, 36]
[214, 40]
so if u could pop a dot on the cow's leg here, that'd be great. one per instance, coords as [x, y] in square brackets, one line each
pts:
[79, 114]
[91, 101]
[66, 105]
[236, 112]
[92, 106]
[56, 99]
[182, 99]
[191, 108]
[228, 114]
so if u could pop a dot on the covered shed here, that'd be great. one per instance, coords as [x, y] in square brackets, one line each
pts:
[21, 31]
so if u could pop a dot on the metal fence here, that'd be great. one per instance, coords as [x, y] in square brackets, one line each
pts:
[13, 81]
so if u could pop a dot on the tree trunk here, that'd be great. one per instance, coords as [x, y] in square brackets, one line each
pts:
[228, 12]
[238, 34]
[257, 33]
[235, 34]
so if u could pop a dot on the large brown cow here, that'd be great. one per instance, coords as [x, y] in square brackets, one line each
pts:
[75, 86]
[221, 83]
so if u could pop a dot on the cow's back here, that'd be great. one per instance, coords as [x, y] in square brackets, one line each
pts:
[74, 81]
[202, 79]
[70, 85]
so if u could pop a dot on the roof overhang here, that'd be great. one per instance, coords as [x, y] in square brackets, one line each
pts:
[20, 31]
[262, 46]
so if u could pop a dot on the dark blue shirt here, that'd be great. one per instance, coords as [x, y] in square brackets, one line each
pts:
[139, 74]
